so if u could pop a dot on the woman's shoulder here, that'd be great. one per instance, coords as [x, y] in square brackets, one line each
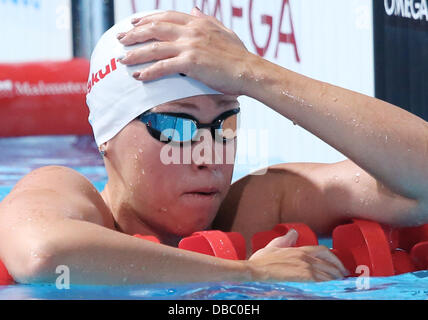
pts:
[57, 178]
[55, 187]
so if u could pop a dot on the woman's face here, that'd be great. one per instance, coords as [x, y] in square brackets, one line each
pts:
[176, 198]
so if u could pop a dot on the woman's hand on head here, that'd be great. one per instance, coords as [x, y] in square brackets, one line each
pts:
[278, 262]
[196, 45]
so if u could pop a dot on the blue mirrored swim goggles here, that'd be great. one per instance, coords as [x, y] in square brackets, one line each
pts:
[181, 127]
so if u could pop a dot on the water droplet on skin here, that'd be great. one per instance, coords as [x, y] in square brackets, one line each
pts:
[240, 75]
[140, 150]
[336, 178]
[357, 179]
[386, 138]
[143, 172]
[287, 94]
[136, 157]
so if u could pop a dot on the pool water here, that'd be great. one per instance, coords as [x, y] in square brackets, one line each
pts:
[412, 286]
[20, 156]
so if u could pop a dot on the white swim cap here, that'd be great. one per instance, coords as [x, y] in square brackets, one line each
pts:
[115, 98]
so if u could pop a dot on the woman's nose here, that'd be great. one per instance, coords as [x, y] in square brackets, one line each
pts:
[206, 151]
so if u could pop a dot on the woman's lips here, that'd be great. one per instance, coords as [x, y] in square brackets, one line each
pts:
[203, 192]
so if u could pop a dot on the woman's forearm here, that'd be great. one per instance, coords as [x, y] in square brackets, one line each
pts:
[388, 142]
[97, 255]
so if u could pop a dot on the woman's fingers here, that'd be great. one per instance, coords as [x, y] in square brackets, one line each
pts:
[310, 263]
[210, 53]
[327, 268]
[197, 13]
[161, 69]
[323, 276]
[151, 52]
[328, 256]
[323, 253]
[319, 256]
[162, 31]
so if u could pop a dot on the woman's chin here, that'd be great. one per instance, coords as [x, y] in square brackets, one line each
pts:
[186, 226]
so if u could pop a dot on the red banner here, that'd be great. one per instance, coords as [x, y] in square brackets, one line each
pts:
[44, 98]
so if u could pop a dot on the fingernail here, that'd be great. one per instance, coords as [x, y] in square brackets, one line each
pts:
[137, 75]
[121, 58]
[121, 35]
[135, 20]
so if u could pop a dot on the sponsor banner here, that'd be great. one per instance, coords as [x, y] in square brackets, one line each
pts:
[329, 40]
[34, 30]
[401, 53]
[411, 12]
[18, 89]
[44, 98]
